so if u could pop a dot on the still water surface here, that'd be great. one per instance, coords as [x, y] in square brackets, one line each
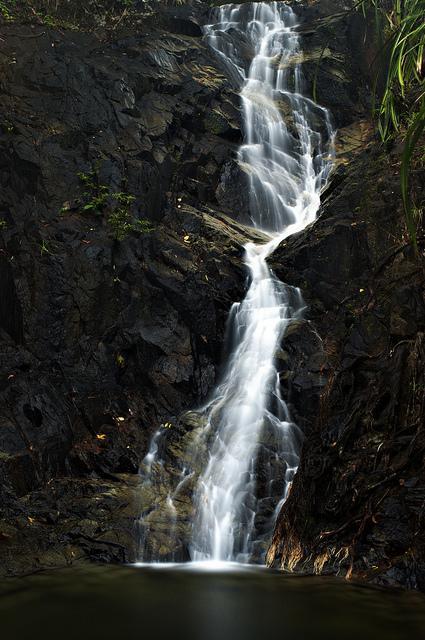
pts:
[225, 602]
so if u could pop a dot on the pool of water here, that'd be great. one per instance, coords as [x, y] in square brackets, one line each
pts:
[223, 602]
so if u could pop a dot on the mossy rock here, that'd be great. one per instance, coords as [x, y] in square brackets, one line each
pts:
[216, 123]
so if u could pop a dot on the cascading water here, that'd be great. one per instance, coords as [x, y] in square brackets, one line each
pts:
[253, 445]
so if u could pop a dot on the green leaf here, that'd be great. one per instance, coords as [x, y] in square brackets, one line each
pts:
[413, 134]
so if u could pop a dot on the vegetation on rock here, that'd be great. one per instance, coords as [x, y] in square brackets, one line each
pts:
[74, 15]
[94, 331]
[99, 197]
[401, 26]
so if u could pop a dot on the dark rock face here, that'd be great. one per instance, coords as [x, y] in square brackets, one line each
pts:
[356, 505]
[104, 339]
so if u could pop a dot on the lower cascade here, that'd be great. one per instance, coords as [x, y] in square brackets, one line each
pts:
[240, 452]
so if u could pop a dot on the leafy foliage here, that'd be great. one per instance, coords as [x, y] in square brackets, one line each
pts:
[44, 248]
[97, 195]
[413, 135]
[98, 198]
[6, 9]
[77, 15]
[402, 107]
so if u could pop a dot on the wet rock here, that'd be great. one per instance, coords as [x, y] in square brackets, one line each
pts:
[354, 504]
[229, 193]
[74, 521]
[102, 340]
[338, 73]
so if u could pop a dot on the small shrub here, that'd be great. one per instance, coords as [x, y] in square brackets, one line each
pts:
[97, 195]
[120, 221]
[6, 9]
[143, 226]
[123, 223]
[49, 21]
[120, 360]
[99, 198]
[124, 198]
[44, 249]
[7, 127]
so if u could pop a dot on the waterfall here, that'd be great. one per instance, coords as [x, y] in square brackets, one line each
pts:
[253, 445]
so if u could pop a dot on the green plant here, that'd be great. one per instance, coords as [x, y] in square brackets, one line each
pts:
[120, 360]
[88, 179]
[7, 127]
[401, 25]
[99, 198]
[49, 20]
[97, 195]
[55, 22]
[404, 25]
[3, 224]
[6, 9]
[44, 249]
[120, 221]
[413, 134]
[124, 199]
[142, 225]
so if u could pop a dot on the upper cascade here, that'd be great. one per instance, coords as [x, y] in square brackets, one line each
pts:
[288, 138]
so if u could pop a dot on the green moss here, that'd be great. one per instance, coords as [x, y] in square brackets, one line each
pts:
[215, 123]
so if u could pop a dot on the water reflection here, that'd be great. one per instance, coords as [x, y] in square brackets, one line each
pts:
[224, 603]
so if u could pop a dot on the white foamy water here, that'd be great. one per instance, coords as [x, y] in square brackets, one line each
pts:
[253, 445]
[284, 159]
